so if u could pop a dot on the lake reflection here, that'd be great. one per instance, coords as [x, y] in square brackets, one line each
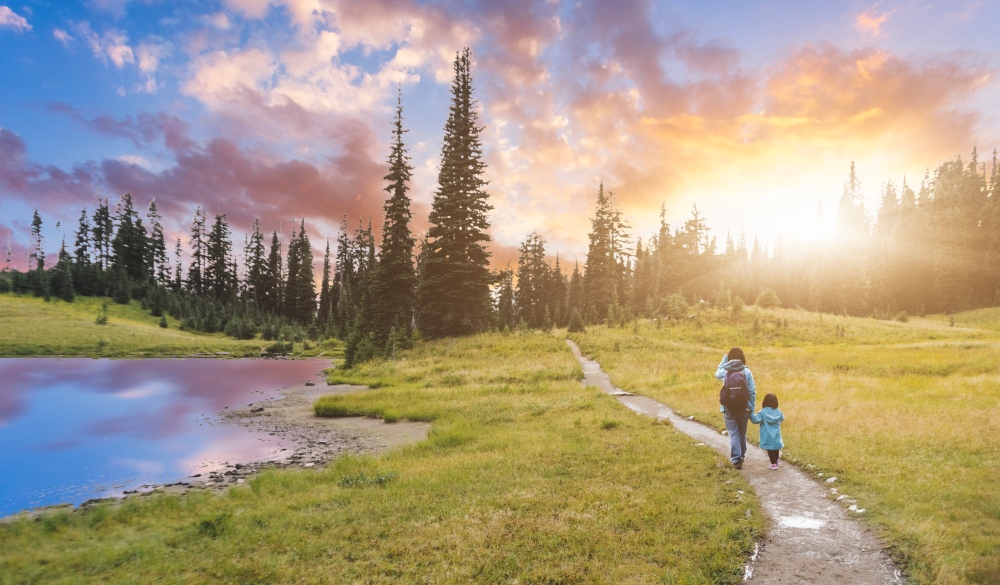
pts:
[76, 429]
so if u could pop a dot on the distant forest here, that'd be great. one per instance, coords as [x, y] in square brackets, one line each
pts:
[936, 249]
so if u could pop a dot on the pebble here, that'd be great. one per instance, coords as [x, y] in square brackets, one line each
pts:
[831, 479]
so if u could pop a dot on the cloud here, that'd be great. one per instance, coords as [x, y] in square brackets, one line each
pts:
[115, 7]
[112, 45]
[149, 56]
[9, 19]
[870, 21]
[62, 36]
[219, 20]
[248, 8]
[220, 74]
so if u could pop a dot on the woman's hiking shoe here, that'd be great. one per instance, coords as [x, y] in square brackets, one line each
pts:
[774, 466]
[738, 464]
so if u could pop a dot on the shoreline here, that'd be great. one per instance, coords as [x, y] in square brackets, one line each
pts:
[311, 443]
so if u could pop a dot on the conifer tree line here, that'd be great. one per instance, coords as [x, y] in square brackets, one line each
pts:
[933, 249]
[373, 295]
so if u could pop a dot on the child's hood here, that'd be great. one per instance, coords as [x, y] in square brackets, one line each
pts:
[771, 415]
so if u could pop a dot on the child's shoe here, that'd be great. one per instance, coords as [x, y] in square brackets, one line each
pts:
[774, 466]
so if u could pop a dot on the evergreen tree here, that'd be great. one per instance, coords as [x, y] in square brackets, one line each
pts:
[37, 278]
[846, 285]
[103, 232]
[82, 268]
[532, 280]
[343, 279]
[272, 294]
[664, 282]
[394, 285]
[454, 289]
[129, 243]
[602, 273]
[219, 276]
[178, 282]
[300, 289]
[256, 266]
[196, 270]
[62, 276]
[325, 302]
[577, 296]
[505, 310]
[156, 253]
[556, 293]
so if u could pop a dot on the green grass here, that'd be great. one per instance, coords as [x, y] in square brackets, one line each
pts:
[32, 327]
[903, 414]
[526, 477]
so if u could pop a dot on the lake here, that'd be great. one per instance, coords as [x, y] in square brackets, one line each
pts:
[77, 429]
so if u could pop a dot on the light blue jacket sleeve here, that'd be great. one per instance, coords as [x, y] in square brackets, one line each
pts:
[720, 372]
[753, 389]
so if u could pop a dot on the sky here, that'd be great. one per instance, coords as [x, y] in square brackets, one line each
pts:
[752, 110]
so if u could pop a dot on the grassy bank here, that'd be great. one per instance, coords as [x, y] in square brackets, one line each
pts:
[903, 414]
[527, 476]
[32, 327]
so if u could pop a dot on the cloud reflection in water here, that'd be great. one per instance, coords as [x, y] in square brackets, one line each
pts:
[76, 429]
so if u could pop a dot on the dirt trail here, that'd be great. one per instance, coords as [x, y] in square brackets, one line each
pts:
[811, 537]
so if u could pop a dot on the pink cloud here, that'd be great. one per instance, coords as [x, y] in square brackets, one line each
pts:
[10, 19]
[871, 21]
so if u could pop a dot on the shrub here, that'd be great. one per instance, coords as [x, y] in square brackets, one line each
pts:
[102, 315]
[576, 322]
[902, 317]
[738, 306]
[279, 346]
[767, 299]
[677, 306]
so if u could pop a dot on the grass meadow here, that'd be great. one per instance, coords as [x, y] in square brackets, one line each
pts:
[527, 476]
[903, 414]
[32, 327]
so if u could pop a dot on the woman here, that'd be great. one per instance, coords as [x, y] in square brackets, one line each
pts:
[736, 419]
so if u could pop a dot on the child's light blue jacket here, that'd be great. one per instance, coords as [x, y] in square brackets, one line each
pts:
[769, 420]
[735, 366]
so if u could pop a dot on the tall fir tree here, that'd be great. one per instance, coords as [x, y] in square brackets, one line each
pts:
[37, 277]
[129, 243]
[178, 283]
[62, 276]
[274, 277]
[530, 298]
[393, 288]
[197, 242]
[220, 277]
[325, 302]
[505, 310]
[103, 232]
[455, 279]
[256, 266]
[156, 253]
[83, 277]
[300, 289]
[601, 272]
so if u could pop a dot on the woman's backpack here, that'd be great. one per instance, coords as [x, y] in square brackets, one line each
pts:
[735, 394]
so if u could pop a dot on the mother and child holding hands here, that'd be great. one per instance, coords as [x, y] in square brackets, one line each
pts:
[737, 400]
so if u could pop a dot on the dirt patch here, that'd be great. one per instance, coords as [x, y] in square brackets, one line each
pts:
[812, 536]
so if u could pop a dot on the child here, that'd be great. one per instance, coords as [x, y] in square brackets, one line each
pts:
[769, 419]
